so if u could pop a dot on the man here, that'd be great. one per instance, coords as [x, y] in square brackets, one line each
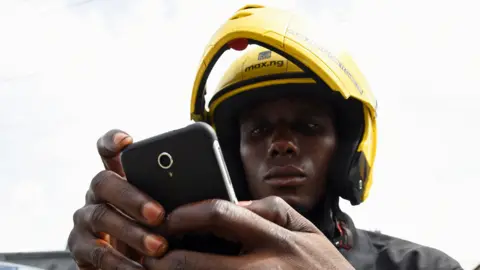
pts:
[293, 147]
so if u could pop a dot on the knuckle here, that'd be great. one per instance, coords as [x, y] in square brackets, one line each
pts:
[278, 211]
[99, 180]
[276, 201]
[219, 210]
[71, 243]
[127, 231]
[78, 216]
[97, 215]
[89, 197]
[277, 205]
[97, 256]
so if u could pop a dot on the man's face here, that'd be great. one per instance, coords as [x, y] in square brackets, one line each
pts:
[286, 146]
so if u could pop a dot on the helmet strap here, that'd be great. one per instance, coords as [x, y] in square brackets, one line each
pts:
[344, 237]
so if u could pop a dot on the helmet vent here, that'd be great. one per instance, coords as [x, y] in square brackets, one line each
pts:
[240, 15]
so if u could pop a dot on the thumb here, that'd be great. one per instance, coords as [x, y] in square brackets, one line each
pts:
[276, 210]
[109, 147]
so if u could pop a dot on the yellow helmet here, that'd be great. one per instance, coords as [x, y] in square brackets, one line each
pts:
[289, 57]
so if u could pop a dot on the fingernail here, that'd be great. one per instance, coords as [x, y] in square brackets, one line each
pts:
[152, 212]
[119, 137]
[244, 203]
[153, 243]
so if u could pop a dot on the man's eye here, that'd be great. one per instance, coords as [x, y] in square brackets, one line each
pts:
[258, 130]
[309, 128]
[313, 125]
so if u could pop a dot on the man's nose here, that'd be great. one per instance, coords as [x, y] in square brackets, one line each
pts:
[282, 148]
[282, 144]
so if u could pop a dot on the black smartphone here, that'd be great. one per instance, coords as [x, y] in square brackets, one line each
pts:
[179, 167]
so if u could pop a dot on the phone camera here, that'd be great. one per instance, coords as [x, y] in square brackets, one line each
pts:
[165, 160]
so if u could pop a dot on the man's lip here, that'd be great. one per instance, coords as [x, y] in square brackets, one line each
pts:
[291, 181]
[283, 176]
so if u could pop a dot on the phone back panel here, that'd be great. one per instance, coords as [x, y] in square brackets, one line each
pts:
[194, 175]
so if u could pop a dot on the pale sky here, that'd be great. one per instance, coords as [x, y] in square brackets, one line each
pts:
[72, 70]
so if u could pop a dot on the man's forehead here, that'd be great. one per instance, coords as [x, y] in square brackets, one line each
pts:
[287, 105]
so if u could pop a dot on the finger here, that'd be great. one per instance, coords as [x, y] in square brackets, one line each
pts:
[228, 221]
[100, 218]
[276, 210]
[189, 260]
[109, 187]
[94, 253]
[123, 248]
[109, 147]
[90, 198]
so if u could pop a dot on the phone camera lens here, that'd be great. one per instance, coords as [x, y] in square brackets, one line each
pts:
[165, 160]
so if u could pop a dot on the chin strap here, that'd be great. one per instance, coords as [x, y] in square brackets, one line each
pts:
[343, 234]
[345, 238]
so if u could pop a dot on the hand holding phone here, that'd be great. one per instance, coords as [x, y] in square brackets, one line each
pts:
[180, 167]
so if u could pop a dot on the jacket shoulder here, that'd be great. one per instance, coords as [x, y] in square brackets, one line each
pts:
[396, 253]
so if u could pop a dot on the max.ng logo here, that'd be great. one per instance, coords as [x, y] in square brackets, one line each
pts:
[264, 64]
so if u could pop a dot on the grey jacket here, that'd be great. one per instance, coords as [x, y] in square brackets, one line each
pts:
[367, 250]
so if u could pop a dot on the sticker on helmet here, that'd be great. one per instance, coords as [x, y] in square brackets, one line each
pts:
[278, 63]
[264, 55]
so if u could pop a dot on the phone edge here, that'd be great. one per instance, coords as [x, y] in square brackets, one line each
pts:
[224, 171]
